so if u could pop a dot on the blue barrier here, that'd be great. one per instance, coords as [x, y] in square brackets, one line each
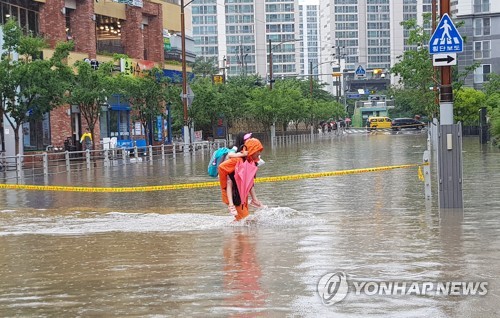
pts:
[128, 145]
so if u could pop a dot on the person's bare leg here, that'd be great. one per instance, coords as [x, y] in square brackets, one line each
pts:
[229, 192]
[255, 202]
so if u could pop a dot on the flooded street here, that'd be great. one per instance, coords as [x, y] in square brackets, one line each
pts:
[177, 254]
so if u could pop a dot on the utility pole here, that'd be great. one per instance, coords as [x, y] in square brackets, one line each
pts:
[338, 80]
[270, 65]
[242, 65]
[311, 78]
[446, 91]
[224, 68]
[246, 64]
[271, 80]
[184, 76]
[434, 18]
[344, 83]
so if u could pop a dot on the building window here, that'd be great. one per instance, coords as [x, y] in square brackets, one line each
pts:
[482, 26]
[481, 6]
[481, 73]
[482, 49]
[23, 11]
[119, 124]
[108, 32]
[118, 117]
[486, 26]
[104, 124]
[36, 133]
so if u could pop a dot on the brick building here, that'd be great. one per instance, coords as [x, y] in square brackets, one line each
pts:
[98, 29]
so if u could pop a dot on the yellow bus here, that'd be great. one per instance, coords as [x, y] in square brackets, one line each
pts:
[379, 122]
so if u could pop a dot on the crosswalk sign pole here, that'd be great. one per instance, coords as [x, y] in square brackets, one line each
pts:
[450, 134]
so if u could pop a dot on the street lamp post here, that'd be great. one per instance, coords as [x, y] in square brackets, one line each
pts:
[184, 73]
[271, 47]
[344, 77]
[270, 65]
[311, 68]
[311, 77]
[339, 55]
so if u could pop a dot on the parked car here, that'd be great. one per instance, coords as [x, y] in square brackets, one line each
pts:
[400, 123]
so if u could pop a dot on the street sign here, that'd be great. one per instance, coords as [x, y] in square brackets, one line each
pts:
[218, 79]
[446, 38]
[360, 71]
[444, 59]
[189, 96]
[353, 96]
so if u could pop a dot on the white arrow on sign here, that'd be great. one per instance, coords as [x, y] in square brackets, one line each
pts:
[444, 59]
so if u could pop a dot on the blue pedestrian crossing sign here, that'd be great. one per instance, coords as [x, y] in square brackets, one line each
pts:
[360, 71]
[446, 38]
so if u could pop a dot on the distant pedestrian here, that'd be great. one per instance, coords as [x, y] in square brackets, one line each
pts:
[87, 138]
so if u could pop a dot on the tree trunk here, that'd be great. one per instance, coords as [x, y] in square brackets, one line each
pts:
[2, 136]
[91, 129]
[16, 138]
[145, 126]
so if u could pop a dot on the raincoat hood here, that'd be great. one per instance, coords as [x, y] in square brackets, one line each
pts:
[253, 145]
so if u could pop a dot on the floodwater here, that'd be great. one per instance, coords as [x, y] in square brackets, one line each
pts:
[177, 254]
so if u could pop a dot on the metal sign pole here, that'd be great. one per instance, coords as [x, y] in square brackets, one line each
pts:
[446, 39]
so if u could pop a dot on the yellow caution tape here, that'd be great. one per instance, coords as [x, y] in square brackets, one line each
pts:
[333, 173]
[201, 184]
[420, 174]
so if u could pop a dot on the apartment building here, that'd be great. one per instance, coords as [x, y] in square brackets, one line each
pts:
[367, 33]
[240, 34]
[482, 38]
[309, 31]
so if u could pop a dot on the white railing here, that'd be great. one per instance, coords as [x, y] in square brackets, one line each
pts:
[53, 162]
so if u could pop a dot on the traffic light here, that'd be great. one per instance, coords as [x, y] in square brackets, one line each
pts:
[336, 74]
[377, 71]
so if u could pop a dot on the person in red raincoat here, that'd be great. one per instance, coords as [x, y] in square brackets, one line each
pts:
[226, 170]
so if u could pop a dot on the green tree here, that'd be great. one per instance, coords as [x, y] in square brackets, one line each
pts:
[234, 96]
[492, 86]
[495, 123]
[458, 78]
[321, 110]
[288, 101]
[468, 102]
[172, 97]
[319, 104]
[146, 96]
[415, 70]
[31, 86]
[89, 91]
[207, 104]
[492, 89]
[261, 107]
[205, 67]
[409, 101]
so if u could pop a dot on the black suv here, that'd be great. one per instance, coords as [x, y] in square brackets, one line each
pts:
[400, 123]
